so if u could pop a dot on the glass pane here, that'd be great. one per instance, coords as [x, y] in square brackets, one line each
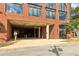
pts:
[48, 5]
[62, 15]
[30, 11]
[47, 13]
[54, 14]
[51, 5]
[8, 7]
[39, 12]
[62, 11]
[51, 14]
[62, 6]
[35, 11]
[17, 8]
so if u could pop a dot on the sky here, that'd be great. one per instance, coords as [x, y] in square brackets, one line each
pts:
[74, 5]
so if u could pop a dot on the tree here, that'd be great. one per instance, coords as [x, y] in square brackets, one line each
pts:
[76, 13]
[76, 10]
[74, 23]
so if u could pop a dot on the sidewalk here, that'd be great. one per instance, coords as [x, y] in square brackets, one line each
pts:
[30, 43]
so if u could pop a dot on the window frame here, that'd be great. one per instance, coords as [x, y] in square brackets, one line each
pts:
[53, 10]
[48, 5]
[13, 6]
[64, 12]
[37, 7]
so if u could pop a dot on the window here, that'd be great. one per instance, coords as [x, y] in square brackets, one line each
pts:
[51, 5]
[50, 10]
[35, 9]
[14, 7]
[62, 11]
[50, 14]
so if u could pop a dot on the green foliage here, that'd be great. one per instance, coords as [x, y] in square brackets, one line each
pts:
[69, 28]
[75, 16]
[74, 23]
[76, 10]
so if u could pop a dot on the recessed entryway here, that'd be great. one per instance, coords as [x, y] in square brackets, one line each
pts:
[26, 32]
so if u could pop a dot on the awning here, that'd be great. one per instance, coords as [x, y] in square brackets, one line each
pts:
[26, 23]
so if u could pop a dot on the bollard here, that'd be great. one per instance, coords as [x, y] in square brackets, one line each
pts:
[15, 35]
[15, 38]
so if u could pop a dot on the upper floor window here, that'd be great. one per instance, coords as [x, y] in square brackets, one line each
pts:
[35, 9]
[51, 5]
[50, 10]
[62, 11]
[14, 7]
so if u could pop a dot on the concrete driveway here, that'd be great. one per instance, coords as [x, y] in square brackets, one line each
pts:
[43, 48]
[21, 43]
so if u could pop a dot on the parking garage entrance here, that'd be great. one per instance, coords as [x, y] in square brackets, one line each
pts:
[26, 32]
[31, 30]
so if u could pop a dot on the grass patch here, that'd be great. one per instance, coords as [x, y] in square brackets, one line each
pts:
[3, 44]
[7, 43]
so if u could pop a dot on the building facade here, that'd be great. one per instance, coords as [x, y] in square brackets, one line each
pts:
[33, 20]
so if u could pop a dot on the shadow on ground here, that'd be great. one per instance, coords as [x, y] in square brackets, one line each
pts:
[55, 49]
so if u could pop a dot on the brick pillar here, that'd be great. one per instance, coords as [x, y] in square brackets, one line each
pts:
[5, 35]
[68, 8]
[2, 7]
[56, 26]
[43, 11]
[25, 9]
[54, 34]
[54, 29]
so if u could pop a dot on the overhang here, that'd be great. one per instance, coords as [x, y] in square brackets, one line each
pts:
[26, 23]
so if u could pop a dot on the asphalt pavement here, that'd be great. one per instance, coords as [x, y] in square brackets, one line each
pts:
[68, 49]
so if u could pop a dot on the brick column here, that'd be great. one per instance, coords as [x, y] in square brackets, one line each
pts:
[68, 7]
[25, 9]
[6, 34]
[57, 11]
[43, 11]
[2, 7]
[56, 26]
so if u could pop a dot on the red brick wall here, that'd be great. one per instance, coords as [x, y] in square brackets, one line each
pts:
[5, 17]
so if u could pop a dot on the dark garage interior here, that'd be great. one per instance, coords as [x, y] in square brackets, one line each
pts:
[25, 32]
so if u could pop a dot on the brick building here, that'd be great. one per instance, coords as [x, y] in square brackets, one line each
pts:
[34, 20]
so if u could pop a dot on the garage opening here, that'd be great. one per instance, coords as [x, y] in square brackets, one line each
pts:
[26, 32]
[28, 29]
